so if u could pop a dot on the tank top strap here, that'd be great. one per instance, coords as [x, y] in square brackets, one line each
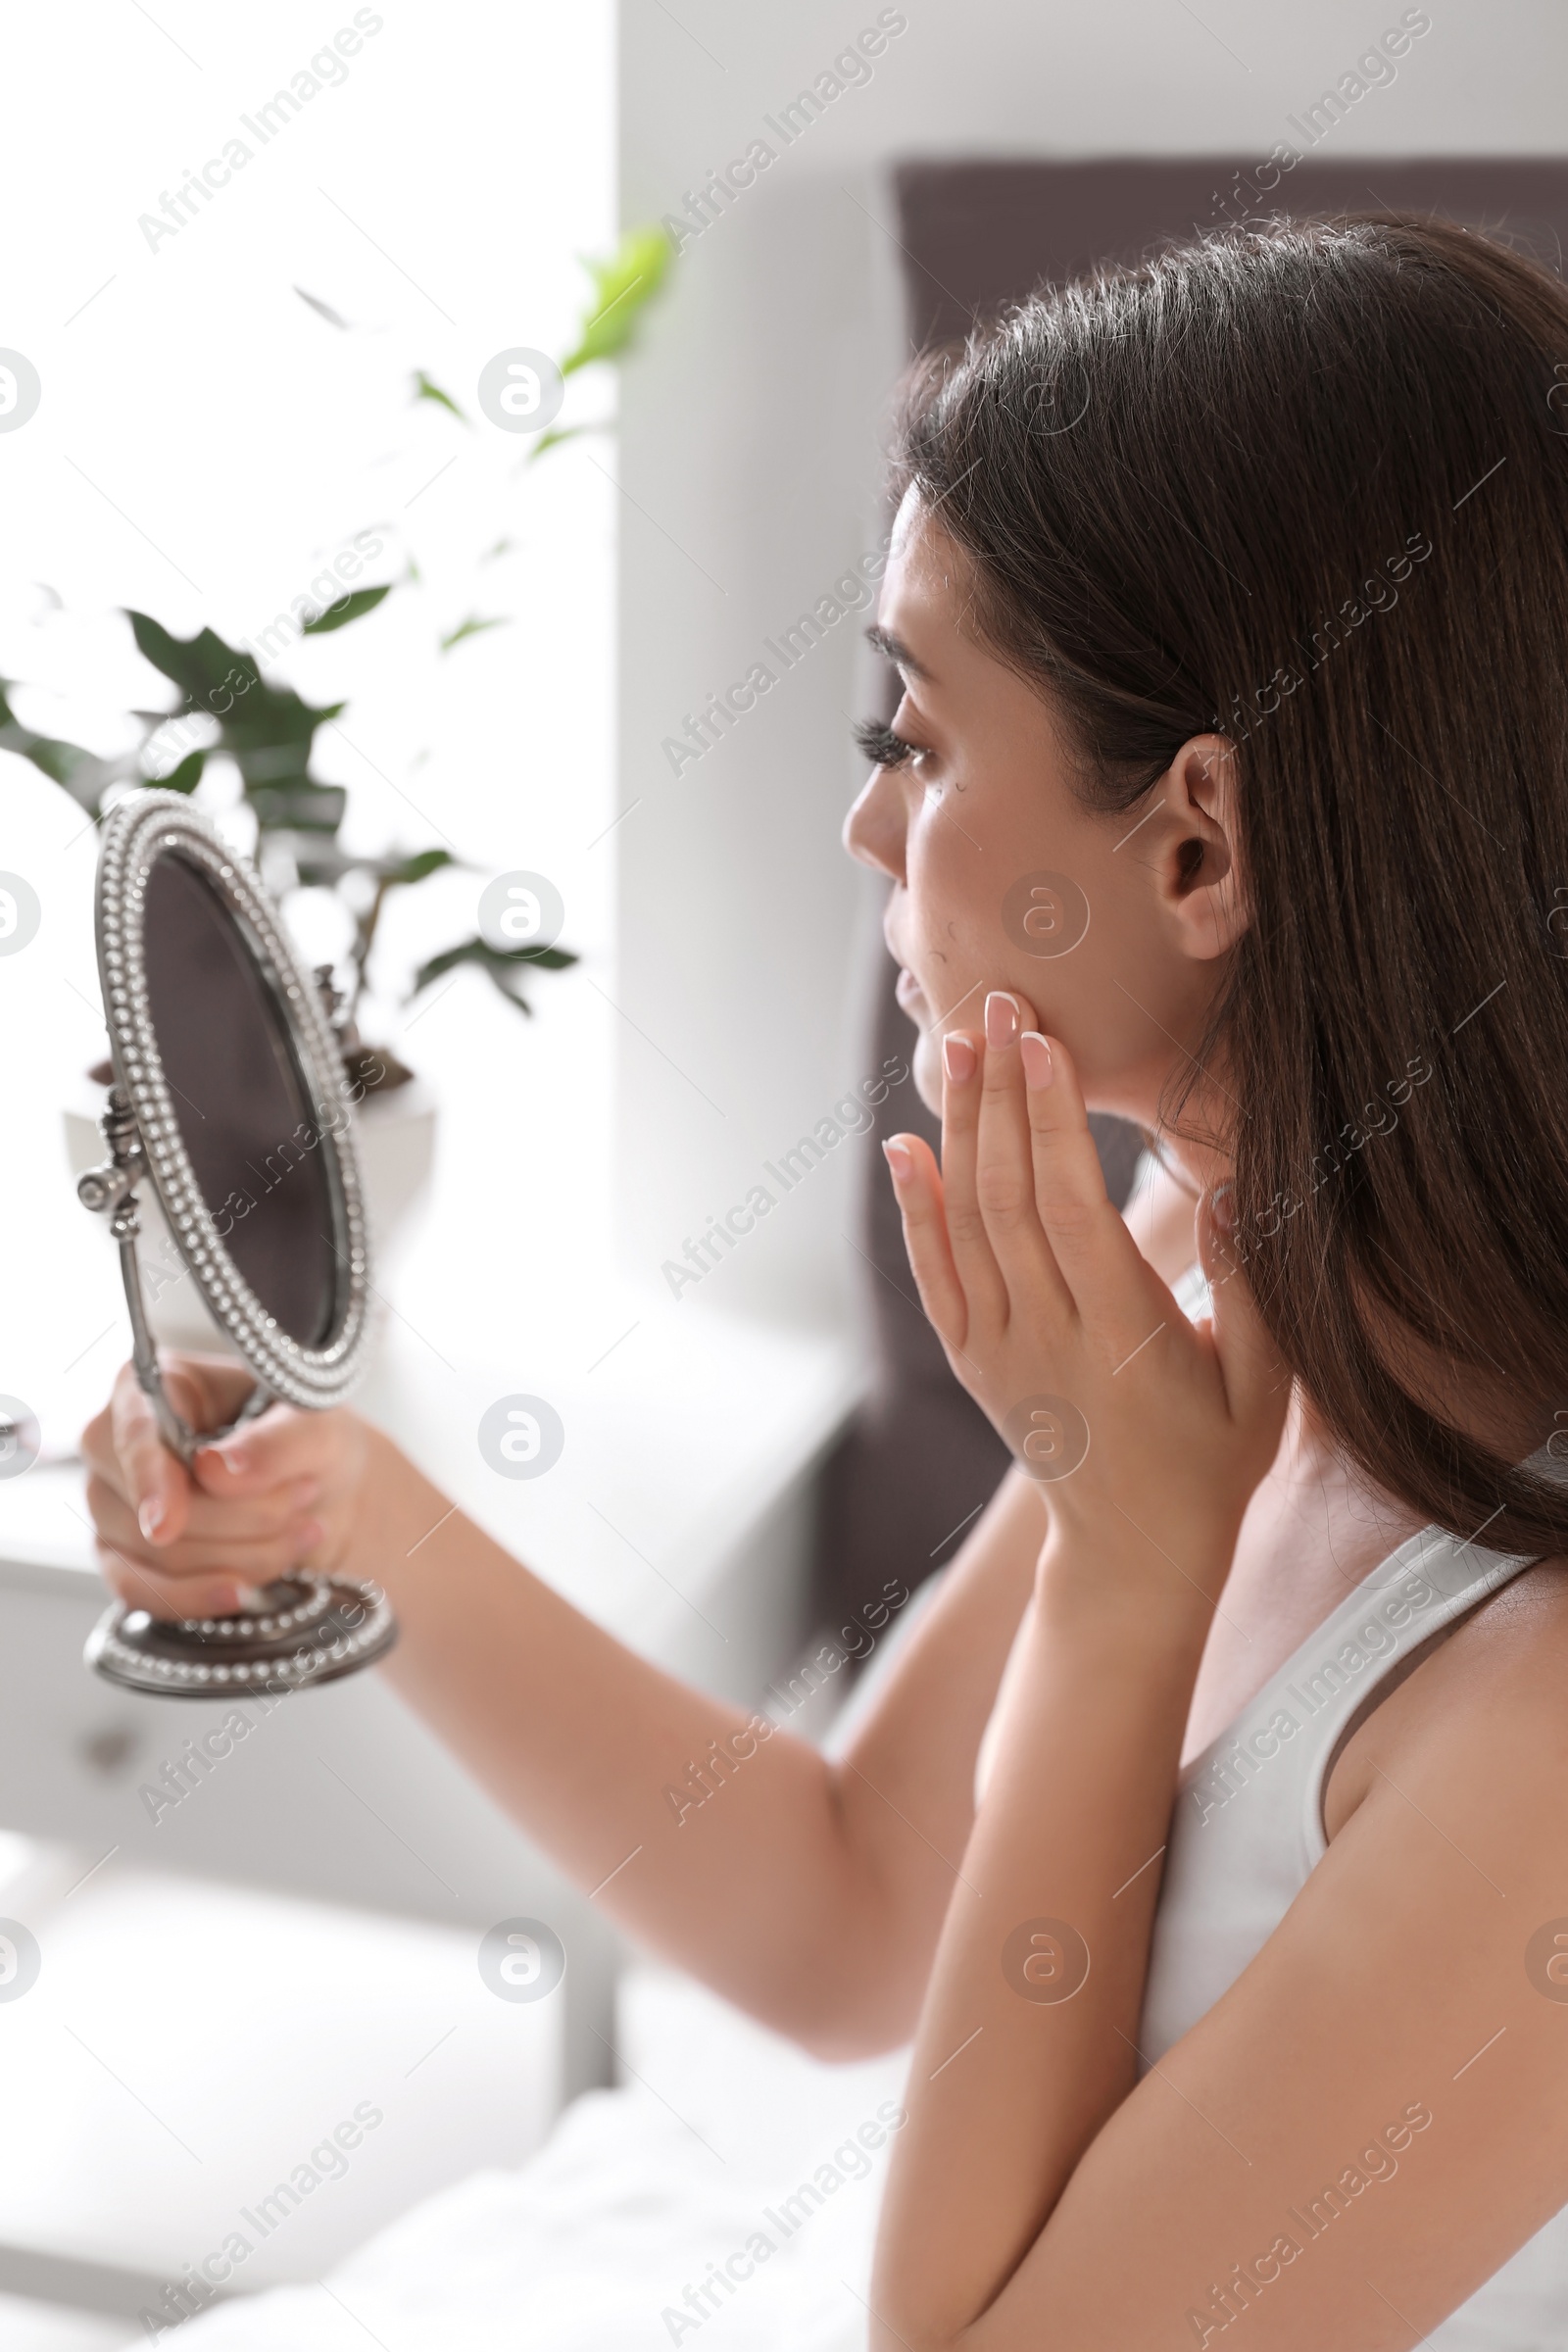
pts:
[1247, 1827]
[1329, 1685]
[1420, 1592]
[1323, 1691]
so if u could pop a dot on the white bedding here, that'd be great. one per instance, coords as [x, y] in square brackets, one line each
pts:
[639, 2194]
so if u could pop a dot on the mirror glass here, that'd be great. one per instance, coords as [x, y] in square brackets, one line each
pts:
[242, 1106]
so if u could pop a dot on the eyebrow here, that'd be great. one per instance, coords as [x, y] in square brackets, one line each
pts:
[897, 652]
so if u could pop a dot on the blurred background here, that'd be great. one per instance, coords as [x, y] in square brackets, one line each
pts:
[261, 275]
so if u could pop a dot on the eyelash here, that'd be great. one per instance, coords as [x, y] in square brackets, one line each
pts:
[882, 746]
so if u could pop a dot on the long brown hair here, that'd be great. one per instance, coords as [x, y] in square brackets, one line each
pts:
[1305, 483]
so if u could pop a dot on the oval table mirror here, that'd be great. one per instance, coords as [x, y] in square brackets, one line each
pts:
[230, 1099]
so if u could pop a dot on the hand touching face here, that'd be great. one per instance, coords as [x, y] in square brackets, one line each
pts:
[1058, 1327]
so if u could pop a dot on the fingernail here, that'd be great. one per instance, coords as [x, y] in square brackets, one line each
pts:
[1034, 1052]
[309, 1535]
[1002, 1018]
[250, 1598]
[150, 1518]
[305, 1491]
[1222, 1206]
[898, 1159]
[957, 1058]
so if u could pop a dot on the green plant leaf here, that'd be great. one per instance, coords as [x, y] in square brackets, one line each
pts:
[186, 776]
[395, 871]
[79, 772]
[200, 666]
[502, 964]
[424, 389]
[297, 805]
[473, 626]
[352, 607]
[625, 284]
[559, 433]
[267, 730]
[321, 865]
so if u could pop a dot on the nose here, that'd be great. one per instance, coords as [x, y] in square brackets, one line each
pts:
[875, 829]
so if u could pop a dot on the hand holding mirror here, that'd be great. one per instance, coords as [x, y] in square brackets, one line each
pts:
[230, 1099]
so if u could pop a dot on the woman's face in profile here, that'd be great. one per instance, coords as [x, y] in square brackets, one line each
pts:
[1002, 878]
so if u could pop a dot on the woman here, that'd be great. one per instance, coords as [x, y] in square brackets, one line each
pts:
[1228, 791]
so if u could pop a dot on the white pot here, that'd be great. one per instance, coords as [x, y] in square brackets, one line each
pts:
[394, 1133]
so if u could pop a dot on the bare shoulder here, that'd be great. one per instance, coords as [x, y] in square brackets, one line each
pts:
[1486, 1706]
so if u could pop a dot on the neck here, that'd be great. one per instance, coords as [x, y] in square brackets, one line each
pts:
[1485, 1405]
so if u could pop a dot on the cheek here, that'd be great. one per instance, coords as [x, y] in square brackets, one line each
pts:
[949, 898]
[967, 858]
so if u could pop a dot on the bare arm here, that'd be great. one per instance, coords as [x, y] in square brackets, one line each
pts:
[1357, 2134]
[810, 1894]
[1353, 2138]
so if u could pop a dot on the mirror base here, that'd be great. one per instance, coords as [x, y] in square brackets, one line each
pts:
[310, 1630]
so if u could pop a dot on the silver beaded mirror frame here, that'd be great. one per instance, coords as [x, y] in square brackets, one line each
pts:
[309, 1627]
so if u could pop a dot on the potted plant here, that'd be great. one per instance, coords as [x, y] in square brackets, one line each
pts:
[228, 708]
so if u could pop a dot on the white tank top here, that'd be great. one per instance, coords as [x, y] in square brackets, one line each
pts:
[1246, 1832]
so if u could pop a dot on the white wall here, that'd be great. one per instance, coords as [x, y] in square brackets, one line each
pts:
[749, 460]
[205, 440]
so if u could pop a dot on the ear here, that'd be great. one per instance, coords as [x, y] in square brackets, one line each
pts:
[1197, 875]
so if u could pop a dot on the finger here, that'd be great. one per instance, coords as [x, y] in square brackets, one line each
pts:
[1257, 1380]
[280, 1444]
[193, 1577]
[917, 1189]
[96, 1445]
[235, 1537]
[141, 1582]
[1111, 1281]
[215, 1525]
[228, 1514]
[207, 1390]
[1004, 1181]
[985, 1291]
[136, 1584]
[154, 1482]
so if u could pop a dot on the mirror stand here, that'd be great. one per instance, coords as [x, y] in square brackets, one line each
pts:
[229, 1101]
[110, 1190]
[309, 1629]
